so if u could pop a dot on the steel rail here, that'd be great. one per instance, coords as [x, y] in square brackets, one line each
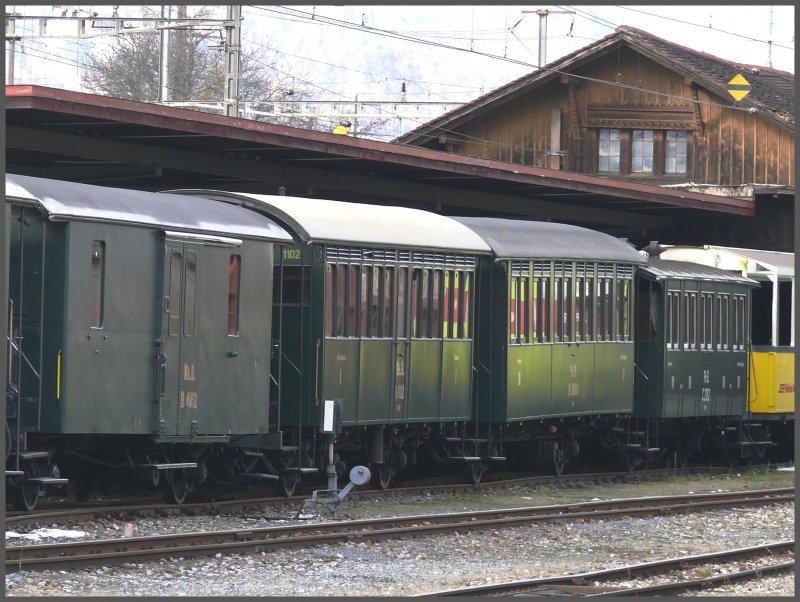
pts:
[242, 501]
[577, 584]
[105, 552]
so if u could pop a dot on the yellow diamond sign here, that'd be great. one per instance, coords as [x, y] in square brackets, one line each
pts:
[738, 87]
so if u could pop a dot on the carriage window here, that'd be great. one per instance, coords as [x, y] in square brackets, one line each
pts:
[466, 307]
[190, 296]
[707, 321]
[448, 332]
[739, 323]
[293, 283]
[623, 309]
[456, 315]
[339, 300]
[437, 283]
[604, 309]
[580, 310]
[386, 322]
[351, 325]
[545, 318]
[512, 312]
[589, 308]
[97, 275]
[558, 303]
[567, 311]
[375, 306]
[673, 320]
[722, 342]
[175, 267]
[691, 321]
[402, 276]
[366, 272]
[234, 272]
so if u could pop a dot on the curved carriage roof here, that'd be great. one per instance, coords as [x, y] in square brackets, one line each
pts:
[663, 269]
[70, 201]
[523, 239]
[324, 221]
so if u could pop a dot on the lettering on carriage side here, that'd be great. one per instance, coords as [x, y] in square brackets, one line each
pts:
[573, 371]
[705, 394]
[291, 254]
[706, 377]
[573, 390]
[188, 399]
[188, 373]
[786, 388]
[341, 357]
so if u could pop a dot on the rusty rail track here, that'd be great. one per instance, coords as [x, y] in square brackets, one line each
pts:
[107, 552]
[226, 502]
[601, 583]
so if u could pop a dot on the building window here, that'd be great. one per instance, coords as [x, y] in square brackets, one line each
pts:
[675, 152]
[609, 149]
[642, 151]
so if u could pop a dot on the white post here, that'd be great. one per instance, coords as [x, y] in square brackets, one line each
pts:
[773, 277]
[791, 336]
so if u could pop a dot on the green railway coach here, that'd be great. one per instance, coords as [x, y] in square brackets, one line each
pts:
[137, 335]
[555, 344]
[692, 358]
[374, 312]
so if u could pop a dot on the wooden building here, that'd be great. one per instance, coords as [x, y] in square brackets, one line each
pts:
[635, 107]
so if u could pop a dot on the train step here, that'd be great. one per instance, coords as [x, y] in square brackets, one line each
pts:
[14, 473]
[32, 455]
[255, 454]
[301, 470]
[44, 481]
[465, 439]
[496, 458]
[465, 458]
[257, 476]
[165, 466]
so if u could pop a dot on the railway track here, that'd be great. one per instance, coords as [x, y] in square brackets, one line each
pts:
[61, 556]
[605, 583]
[222, 502]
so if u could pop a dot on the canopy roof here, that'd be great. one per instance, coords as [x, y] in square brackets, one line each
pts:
[663, 269]
[339, 222]
[522, 239]
[753, 263]
[69, 201]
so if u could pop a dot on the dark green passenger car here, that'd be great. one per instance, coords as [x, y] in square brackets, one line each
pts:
[555, 363]
[138, 339]
[374, 313]
[692, 348]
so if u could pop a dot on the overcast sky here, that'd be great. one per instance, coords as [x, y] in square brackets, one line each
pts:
[436, 53]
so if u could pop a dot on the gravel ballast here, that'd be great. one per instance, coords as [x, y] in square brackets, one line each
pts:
[410, 566]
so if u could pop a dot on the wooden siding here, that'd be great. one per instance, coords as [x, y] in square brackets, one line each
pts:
[726, 146]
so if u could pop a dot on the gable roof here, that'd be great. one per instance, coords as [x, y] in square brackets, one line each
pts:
[771, 94]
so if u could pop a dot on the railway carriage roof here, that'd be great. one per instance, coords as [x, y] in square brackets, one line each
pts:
[524, 239]
[664, 269]
[70, 201]
[324, 221]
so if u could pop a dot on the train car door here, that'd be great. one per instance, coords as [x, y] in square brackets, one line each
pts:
[177, 387]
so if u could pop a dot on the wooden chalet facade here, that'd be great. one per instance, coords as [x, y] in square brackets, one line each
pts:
[636, 107]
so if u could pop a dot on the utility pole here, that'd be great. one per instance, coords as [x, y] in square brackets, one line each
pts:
[12, 37]
[233, 47]
[163, 71]
[543, 12]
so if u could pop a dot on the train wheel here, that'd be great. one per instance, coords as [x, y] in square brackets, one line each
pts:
[554, 456]
[474, 472]
[174, 487]
[287, 483]
[381, 476]
[26, 497]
